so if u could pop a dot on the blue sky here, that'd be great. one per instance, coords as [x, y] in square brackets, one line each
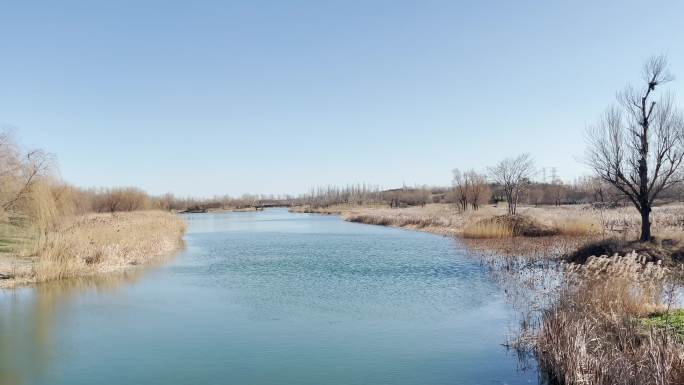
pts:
[203, 98]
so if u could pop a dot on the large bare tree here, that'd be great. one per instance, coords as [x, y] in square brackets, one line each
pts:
[638, 144]
[513, 174]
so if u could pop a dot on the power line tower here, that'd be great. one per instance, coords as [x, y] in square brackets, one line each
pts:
[554, 176]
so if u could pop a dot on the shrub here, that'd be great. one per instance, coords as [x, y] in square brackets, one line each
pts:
[504, 226]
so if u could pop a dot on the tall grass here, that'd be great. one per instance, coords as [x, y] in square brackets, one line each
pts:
[103, 242]
[396, 221]
[577, 226]
[47, 230]
[593, 333]
[488, 230]
[572, 221]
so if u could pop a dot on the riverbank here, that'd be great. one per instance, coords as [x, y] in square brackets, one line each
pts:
[91, 244]
[268, 298]
[609, 320]
[566, 227]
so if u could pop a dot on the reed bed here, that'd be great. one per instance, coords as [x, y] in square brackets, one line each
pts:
[98, 243]
[571, 221]
[488, 230]
[577, 226]
[593, 333]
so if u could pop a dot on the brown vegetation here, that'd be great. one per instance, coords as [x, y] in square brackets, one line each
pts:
[94, 243]
[488, 229]
[48, 231]
[505, 226]
[574, 220]
[667, 251]
[593, 332]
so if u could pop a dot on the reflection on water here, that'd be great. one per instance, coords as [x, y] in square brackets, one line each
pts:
[27, 321]
[270, 298]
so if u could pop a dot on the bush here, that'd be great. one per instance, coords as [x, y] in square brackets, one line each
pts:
[664, 251]
[504, 226]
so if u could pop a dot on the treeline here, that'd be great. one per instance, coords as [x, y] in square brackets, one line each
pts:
[31, 192]
[362, 194]
[245, 201]
[32, 195]
[471, 189]
[121, 199]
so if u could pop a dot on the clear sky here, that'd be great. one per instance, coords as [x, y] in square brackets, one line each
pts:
[203, 97]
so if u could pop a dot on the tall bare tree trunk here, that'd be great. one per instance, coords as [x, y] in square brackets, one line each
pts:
[639, 135]
[645, 224]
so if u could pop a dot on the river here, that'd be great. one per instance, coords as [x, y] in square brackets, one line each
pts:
[270, 297]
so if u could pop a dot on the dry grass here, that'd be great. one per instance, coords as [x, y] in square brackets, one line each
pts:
[574, 221]
[487, 230]
[552, 248]
[584, 323]
[435, 218]
[503, 226]
[592, 333]
[666, 251]
[98, 243]
[577, 226]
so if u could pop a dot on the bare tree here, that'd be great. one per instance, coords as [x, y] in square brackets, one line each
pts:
[478, 190]
[638, 144]
[470, 188]
[461, 187]
[513, 174]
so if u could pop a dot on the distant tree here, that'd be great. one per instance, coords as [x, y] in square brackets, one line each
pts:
[638, 144]
[460, 184]
[165, 202]
[557, 190]
[535, 194]
[513, 174]
[478, 190]
[470, 188]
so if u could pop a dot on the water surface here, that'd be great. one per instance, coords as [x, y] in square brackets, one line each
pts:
[270, 298]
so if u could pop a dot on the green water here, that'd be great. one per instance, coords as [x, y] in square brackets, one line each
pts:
[270, 298]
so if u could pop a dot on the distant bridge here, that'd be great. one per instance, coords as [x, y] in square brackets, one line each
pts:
[269, 203]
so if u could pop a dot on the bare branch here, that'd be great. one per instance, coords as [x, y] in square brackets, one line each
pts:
[640, 149]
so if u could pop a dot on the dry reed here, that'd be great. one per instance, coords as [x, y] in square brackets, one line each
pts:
[572, 221]
[577, 226]
[488, 230]
[98, 243]
[592, 333]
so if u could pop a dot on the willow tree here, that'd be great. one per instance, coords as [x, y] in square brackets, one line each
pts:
[638, 144]
[19, 173]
